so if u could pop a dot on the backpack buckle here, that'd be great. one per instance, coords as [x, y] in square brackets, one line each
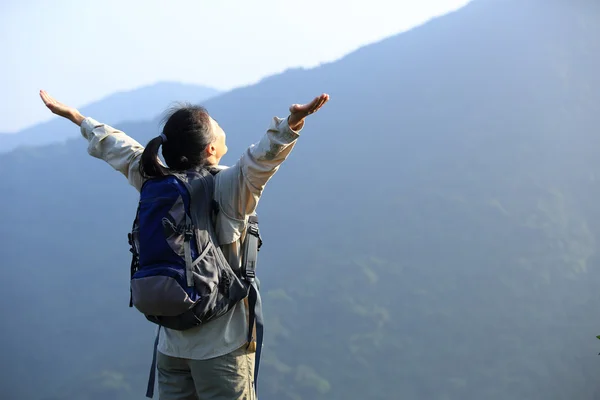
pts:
[253, 230]
[188, 231]
[250, 275]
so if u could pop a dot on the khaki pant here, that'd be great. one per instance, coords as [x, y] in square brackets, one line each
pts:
[229, 377]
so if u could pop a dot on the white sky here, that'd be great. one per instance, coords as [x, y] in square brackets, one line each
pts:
[82, 51]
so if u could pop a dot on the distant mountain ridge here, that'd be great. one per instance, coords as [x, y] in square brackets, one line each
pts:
[139, 104]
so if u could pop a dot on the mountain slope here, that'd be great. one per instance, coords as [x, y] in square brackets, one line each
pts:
[144, 103]
[442, 210]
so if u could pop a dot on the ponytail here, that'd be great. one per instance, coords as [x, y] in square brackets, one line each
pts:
[189, 131]
[150, 165]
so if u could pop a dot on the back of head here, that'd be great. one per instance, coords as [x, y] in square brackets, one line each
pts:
[186, 133]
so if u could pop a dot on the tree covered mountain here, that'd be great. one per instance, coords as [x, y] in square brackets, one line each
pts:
[144, 103]
[434, 235]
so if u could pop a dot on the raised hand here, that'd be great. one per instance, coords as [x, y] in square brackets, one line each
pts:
[60, 109]
[300, 111]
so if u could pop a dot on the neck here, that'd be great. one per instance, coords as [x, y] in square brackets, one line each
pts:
[212, 161]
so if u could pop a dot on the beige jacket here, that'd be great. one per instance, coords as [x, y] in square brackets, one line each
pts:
[237, 190]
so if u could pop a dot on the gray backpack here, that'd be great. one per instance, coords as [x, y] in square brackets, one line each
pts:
[180, 278]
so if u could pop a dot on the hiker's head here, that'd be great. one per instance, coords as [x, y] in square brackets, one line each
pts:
[190, 138]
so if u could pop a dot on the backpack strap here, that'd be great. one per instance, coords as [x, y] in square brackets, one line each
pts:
[135, 256]
[152, 377]
[190, 229]
[256, 315]
[188, 235]
[252, 245]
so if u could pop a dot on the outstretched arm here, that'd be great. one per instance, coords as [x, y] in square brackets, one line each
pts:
[104, 142]
[262, 160]
[238, 189]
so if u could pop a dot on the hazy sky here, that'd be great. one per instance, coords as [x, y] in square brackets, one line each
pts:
[83, 51]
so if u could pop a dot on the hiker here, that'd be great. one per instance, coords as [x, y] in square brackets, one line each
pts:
[213, 360]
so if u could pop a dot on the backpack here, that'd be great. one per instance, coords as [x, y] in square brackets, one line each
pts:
[180, 278]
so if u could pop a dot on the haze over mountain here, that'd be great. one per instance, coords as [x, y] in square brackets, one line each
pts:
[135, 105]
[434, 235]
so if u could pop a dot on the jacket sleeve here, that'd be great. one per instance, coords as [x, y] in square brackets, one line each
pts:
[238, 188]
[116, 148]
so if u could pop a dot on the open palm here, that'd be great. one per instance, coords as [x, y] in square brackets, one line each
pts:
[300, 111]
[56, 106]
[63, 110]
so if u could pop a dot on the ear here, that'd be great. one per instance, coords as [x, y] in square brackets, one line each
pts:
[211, 149]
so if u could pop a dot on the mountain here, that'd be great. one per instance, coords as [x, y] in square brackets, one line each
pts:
[434, 235]
[143, 103]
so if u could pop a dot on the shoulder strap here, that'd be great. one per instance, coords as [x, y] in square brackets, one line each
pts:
[252, 244]
[187, 250]
[202, 206]
[200, 186]
[250, 249]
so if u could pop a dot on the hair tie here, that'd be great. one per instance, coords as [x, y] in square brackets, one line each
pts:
[163, 137]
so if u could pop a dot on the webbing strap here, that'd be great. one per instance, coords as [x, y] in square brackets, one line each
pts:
[133, 264]
[152, 377]
[252, 244]
[187, 249]
[256, 315]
